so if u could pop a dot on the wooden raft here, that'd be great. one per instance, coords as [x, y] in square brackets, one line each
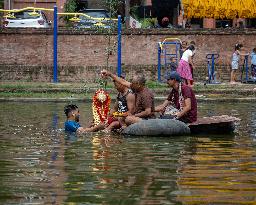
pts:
[223, 124]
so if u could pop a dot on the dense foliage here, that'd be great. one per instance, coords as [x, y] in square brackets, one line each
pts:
[1, 4]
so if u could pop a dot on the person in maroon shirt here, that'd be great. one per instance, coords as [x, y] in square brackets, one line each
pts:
[144, 98]
[182, 98]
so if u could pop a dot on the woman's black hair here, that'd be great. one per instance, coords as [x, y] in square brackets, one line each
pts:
[238, 46]
[192, 43]
[191, 47]
[69, 108]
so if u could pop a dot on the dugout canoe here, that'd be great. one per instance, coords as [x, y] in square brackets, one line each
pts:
[223, 124]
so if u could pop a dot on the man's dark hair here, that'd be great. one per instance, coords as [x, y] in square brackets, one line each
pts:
[69, 108]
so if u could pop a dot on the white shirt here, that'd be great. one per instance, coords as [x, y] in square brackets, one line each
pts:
[188, 53]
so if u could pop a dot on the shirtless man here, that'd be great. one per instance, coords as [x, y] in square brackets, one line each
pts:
[144, 98]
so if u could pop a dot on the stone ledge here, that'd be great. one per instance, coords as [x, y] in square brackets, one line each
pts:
[89, 100]
[72, 31]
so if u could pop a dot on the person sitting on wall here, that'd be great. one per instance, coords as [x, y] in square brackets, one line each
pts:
[181, 103]
[124, 106]
[72, 123]
[144, 98]
[163, 23]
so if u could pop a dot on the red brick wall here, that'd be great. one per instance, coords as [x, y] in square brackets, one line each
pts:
[209, 23]
[34, 47]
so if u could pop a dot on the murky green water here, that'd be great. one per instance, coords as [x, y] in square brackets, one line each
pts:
[38, 166]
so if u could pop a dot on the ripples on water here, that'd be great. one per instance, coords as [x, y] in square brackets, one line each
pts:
[40, 165]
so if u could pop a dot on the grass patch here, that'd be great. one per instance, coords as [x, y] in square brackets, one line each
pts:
[86, 90]
[24, 85]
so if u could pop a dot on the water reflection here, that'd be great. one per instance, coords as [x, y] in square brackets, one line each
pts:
[253, 125]
[40, 164]
[218, 171]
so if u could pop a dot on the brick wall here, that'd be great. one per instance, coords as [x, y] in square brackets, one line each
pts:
[81, 53]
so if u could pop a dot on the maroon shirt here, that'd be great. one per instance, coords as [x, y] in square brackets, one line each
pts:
[144, 99]
[187, 92]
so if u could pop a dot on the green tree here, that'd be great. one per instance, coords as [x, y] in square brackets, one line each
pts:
[70, 6]
[1, 4]
[115, 7]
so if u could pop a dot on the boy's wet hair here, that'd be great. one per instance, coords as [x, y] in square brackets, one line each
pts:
[254, 50]
[69, 108]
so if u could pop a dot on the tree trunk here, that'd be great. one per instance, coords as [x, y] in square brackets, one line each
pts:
[127, 13]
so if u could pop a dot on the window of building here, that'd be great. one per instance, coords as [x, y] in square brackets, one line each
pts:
[224, 23]
[196, 23]
[251, 23]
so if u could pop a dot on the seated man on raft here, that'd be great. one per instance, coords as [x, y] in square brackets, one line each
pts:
[124, 106]
[181, 103]
[144, 98]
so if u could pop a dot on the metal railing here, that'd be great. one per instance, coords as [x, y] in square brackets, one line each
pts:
[55, 33]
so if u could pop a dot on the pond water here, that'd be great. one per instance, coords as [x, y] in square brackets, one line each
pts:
[39, 165]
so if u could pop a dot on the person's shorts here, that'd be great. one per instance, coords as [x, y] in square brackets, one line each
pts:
[234, 65]
[111, 119]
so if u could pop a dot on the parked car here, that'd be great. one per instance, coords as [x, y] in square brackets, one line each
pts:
[26, 19]
[86, 22]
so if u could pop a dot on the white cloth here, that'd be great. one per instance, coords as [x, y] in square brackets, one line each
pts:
[188, 53]
[170, 110]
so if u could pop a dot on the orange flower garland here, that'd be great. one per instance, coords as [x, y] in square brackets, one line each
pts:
[100, 106]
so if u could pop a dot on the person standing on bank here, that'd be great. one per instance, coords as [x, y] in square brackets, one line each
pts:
[144, 98]
[181, 100]
[184, 68]
[235, 62]
[253, 63]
